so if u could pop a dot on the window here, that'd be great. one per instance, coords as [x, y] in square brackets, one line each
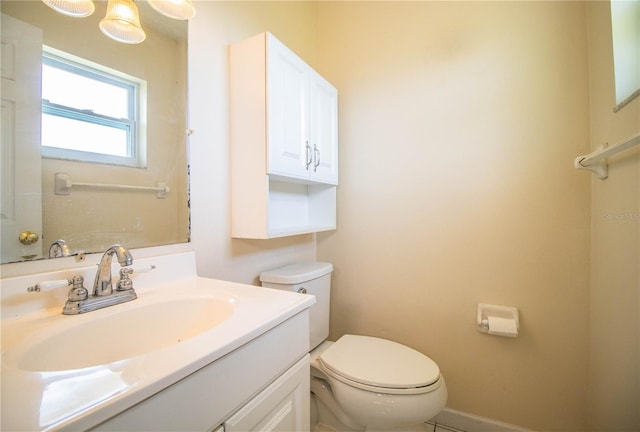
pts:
[90, 113]
[625, 25]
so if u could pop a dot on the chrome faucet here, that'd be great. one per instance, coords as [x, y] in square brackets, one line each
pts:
[102, 285]
[58, 248]
[79, 301]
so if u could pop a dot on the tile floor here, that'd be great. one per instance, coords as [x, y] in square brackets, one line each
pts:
[437, 427]
[427, 427]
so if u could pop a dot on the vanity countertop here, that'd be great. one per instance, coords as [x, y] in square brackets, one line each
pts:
[40, 394]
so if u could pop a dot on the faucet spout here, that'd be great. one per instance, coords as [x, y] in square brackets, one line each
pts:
[58, 248]
[103, 285]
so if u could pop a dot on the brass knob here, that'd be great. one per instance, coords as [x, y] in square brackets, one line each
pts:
[28, 237]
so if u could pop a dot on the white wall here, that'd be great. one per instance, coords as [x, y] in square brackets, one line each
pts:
[216, 25]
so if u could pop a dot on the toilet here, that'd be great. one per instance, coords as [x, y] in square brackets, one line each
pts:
[360, 383]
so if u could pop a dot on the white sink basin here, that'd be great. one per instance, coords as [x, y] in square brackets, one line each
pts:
[73, 372]
[119, 334]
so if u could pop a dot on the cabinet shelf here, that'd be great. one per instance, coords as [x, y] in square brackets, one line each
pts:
[282, 208]
[297, 208]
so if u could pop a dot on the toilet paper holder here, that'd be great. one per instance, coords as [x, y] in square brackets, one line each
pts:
[505, 320]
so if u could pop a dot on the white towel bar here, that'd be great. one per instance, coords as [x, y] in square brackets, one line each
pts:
[596, 162]
[64, 184]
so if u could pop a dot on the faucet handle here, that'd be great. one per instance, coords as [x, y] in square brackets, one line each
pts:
[52, 284]
[125, 283]
[143, 269]
[78, 291]
[76, 294]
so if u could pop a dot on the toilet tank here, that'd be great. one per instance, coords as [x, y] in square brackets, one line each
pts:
[311, 278]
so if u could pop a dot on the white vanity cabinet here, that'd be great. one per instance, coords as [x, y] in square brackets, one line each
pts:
[189, 354]
[261, 386]
[281, 407]
[284, 142]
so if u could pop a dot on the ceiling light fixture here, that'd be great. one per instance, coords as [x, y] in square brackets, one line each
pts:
[122, 21]
[74, 8]
[176, 9]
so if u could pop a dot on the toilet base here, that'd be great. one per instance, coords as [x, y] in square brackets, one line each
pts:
[325, 421]
[324, 428]
[322, 420]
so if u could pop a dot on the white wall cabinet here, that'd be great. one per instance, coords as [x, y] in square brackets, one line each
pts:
[284, 142]
[323, 130]
[302, 115]
[286, 105]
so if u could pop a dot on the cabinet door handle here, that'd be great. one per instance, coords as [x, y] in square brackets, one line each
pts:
[316, 157]
[309, 156]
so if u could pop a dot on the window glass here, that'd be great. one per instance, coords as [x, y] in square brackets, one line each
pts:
[88, 114]
[66, 87]
[86, 137]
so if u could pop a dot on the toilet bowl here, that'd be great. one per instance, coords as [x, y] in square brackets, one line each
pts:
[380, 384]
[360, 383]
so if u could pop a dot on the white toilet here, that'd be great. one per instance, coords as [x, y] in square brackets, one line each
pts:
[360, 383]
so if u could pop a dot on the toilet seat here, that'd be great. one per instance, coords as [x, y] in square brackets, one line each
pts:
[380, 365]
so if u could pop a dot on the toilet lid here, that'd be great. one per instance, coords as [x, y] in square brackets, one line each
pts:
[379, 363]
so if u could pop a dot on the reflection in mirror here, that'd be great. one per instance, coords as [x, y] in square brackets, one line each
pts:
[76, 194]
[625, 27]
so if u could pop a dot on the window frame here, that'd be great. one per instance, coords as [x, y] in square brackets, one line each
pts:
[625, 33]
[131, 125]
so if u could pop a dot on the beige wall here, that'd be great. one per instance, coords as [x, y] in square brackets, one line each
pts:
[459, 123]
[614, 388]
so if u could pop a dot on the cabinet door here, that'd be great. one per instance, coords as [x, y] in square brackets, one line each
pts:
[281, 407]
[324, 130]
[287, 108]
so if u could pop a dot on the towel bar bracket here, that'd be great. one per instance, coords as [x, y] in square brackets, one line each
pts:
[599, 167]
[597, 163]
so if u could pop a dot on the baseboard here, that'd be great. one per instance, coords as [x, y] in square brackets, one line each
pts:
[473, 423]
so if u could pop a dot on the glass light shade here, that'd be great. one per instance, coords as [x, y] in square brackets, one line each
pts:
[122, 22]
[176, 9]
[73, 8]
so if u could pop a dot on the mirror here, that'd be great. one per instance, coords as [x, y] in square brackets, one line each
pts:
[87, 209]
